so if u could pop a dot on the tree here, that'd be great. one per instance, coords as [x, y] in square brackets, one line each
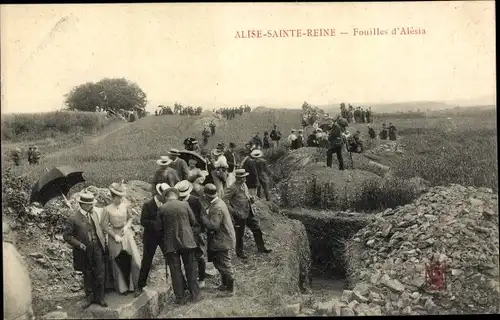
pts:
[109, 94]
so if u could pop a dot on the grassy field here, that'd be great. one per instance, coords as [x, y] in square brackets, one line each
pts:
[439, 149]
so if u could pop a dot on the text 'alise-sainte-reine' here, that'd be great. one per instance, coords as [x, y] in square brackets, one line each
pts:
[328, 32]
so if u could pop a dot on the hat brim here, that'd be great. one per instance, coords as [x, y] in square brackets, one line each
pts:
[185, 193]
[242, 175]
[79, 200]
[118, 193]
[162, 162]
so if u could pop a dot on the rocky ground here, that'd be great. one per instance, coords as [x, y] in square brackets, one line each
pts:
[455, 225]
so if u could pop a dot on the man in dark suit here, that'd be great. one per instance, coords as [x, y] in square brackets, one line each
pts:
[240, 202]
[221, 238]
[164, 174]
[178, 164]
[185, 188]
[153, 235]
[84, 233]
[231, 161]
[178, 222]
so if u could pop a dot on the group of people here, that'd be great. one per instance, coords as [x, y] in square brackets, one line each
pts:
[268, 141]
[34, 155]
[358, 115]
[230, 113]
[179, 110]
[189, 219]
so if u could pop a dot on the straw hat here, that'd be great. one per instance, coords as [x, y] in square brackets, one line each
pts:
[164, 161]
[216, 152]
[161, 187]
[240, 173]
[185, 187]
[86, 198]
[117, 189]
[256, 153]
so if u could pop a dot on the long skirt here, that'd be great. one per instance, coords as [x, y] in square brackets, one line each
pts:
[116, 249]
[231, 178]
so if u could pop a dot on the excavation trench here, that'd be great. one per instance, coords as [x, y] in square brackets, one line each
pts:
[327, 234]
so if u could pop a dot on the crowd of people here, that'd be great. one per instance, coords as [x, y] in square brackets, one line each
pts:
[197, 213]
[33, 155]
[178, 109]
[230, 113]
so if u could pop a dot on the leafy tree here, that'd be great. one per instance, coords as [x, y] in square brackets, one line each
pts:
[110, 94]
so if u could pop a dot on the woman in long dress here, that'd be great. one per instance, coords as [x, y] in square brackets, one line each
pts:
[117, 222]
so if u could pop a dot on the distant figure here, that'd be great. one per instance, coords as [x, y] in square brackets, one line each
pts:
[363, 116]
[383, 134]
[36, 155]
[300, 139]
[231, 162]
[30, 155]
[291, 138]
[368, 115]
[371, 133]
[16, 156]
[256, 141]
[275, 136]
[392, 132]
[336, 139]
[205, 134]
[266, 144]
[355, 143]
[212, 127]
[189, 144]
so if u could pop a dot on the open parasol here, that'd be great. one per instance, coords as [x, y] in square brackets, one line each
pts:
[55, 182]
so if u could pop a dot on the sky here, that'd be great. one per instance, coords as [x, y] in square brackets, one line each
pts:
[188, 53]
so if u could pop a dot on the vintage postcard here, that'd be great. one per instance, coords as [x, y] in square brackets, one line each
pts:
[249, 159]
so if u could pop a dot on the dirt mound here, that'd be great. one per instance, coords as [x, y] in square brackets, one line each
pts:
[457, 225]
[315, 185]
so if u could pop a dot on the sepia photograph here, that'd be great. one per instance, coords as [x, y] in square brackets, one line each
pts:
[212, 160]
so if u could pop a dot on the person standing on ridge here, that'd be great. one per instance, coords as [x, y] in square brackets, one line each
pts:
[336, 139]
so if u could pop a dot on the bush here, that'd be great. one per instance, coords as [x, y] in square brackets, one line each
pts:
[36, 126]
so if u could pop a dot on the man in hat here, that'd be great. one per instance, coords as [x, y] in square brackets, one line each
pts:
[383, 133]
[263, 173]
[212, 127]
[153, 235]
[30, 155]
[36, 155]
[165, 174]
[275, 135]
[84, 234]
[392, 132]
[178, 164]
[256, 141]
[16, 156]
[219, 172]
[221, 237]
[178, 222]
[231, 162]
[240, 205]
[337, 140]
[185, 188]
[205, 134]
[251, 168]
[371, 133]
[266, 143]
[291, 138]
[300, 139]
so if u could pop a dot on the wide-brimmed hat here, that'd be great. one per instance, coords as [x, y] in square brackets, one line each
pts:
[293, 130]
[240, 173]
[86, 198]
[164, 161]
[174, 152]
[216, 152]
[210, 190]
[256, 153]
[301, 131]
[185, 187]
[161, 187]
[117, 189]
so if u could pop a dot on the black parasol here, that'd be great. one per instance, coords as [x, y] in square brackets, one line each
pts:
[55, 182]
[187, 155]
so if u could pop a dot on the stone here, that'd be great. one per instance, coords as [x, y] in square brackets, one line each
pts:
[324, 308]
[36, 255]
[374, 311]
[360, 298]
[293, 309]
[347, 296]
[353, 304]
[375, 278]
[430, 306]
[347, 312]
[56, 315]
[394, 285]
[370, 242]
